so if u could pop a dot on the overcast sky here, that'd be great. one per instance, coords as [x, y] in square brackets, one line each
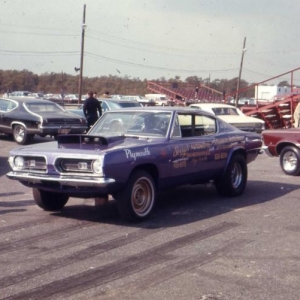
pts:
[150, 39]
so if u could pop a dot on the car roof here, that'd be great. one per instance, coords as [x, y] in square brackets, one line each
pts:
[180, 109]
[118, 100]
[212, 105]
[28, 99]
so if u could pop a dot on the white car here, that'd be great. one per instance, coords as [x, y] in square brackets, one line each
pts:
[232, 115]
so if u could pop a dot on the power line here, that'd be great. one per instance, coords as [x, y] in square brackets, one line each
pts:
[38, 34]
[96, 57]
[38, 53]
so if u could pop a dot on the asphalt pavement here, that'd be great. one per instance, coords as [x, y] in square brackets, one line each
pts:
[196, 245]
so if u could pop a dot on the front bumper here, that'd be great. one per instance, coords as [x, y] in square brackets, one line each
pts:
[68, 184]
[267, 151]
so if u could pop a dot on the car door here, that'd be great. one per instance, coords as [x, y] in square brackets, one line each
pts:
[191, 147]
[6, 108]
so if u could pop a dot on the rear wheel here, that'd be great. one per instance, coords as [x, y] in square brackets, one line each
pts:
[49, 201]
[136, 201]
[21, 135]
[234, 180]
[290, 160]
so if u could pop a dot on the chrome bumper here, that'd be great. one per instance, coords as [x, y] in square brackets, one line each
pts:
[265, 149]
[62, 180]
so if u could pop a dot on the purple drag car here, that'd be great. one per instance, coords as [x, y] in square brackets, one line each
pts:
[132, 154]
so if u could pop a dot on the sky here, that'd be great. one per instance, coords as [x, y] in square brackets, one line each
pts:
[151, 39]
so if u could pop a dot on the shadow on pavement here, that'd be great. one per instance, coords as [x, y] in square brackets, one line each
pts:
[183, 205]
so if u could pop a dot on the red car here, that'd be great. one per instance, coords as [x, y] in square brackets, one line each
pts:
[284, 143]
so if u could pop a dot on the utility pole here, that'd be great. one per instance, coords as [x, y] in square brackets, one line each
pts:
[240, 74]
[81, 55]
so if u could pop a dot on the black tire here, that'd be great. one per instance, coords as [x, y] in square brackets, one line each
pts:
[234, 180]
[49, 201]
[21, 135]
[136, 201]
[290, 160]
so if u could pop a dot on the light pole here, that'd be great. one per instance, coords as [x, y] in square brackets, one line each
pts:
[240, 74]
[81, 55]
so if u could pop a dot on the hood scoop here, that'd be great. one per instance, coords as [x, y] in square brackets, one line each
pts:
[84, 141]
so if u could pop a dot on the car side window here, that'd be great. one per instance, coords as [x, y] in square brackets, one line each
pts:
[196, 125]
[176, 132]
[6, 105]
[209, 125]
[104, 107]
[3, 105]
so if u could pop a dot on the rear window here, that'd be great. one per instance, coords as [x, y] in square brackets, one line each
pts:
[129, 104]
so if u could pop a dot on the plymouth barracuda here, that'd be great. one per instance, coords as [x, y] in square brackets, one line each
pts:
[134, 153]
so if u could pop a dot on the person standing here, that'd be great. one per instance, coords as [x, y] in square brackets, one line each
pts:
[91, 109]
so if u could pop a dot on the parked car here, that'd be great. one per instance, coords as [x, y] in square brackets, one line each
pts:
[108, 104]
[71, 98]
[19, 94]
[160, 99]
[25, 117]
[141, 99]
[285, 144]
[244, 101]
[134, 153]
[232, 115]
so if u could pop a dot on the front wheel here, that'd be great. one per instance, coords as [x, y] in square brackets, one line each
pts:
[21, 135]
[290, 160]
[49, 201]
[136, 201]
[234, 180]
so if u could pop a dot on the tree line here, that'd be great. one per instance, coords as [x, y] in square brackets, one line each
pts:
[62, 83]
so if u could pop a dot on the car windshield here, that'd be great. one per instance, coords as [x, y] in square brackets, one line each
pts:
[133, 123]
[43, 107]
[117, 105]
[223, 111]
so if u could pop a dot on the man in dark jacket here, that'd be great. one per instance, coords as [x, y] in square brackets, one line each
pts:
[92, 109]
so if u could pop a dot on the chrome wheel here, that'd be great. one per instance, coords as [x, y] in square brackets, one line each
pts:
[289, 161]
[21, 135]
[136, 201]
[233, 182]
[236, 175]
[142, 197]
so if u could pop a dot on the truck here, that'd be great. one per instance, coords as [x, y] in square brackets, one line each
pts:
[160, 99]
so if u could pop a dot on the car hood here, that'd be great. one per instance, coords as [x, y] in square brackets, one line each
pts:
[82, 144]
[240, 119]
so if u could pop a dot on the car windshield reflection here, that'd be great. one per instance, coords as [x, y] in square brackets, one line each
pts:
[133, 123]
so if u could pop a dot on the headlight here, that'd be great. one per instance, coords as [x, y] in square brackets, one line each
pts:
[17, 163]
[97, 166]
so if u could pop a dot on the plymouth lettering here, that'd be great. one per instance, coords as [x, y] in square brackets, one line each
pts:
[134, 155]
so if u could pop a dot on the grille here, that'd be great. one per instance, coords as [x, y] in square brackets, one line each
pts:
[74, 165]
[36, 164]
